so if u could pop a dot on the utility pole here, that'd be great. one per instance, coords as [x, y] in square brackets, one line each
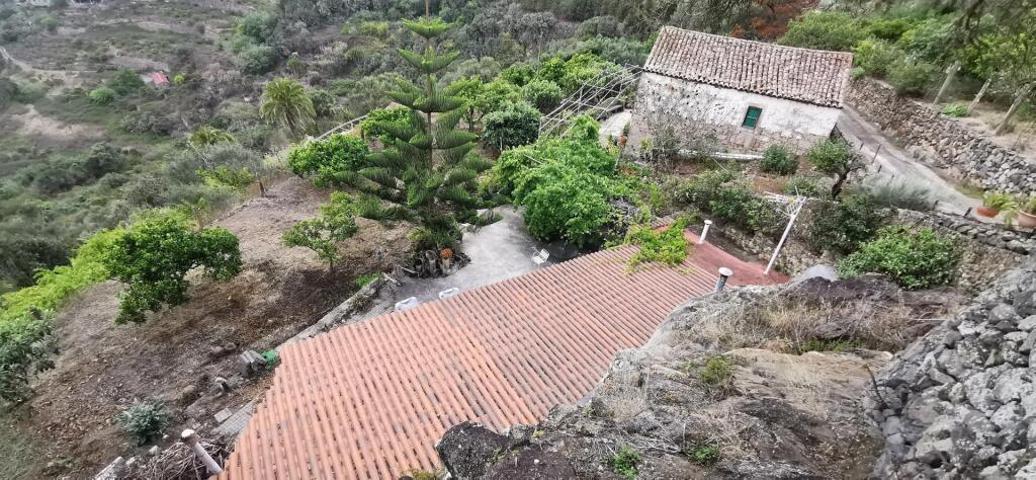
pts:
[796, 208]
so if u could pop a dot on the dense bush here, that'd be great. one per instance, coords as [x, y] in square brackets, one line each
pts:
[804, 186]
[154, 255]
[668, 246]
[824, 30]
[102, 95]
[510, 170]
[914, 260]
[336, 158]
[514, 125]
[836, 158]
[568, 203]
[543, 94]
[125, 82]
[374, 126]
[779, 160]
[875, 56]
[144, 421]
[257, 59]
[911, 76]
[25, 315]
[602, 26]
[843, 226]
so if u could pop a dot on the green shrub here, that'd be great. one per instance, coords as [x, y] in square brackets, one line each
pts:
[779, 160]
[625, 462]
[568, 203]
[154, 255]
[125, 82]
[543, 94]
[224, 176]
[669, 246]
[889, 28]
[914, 260]
[601, 26]
[257, 59]
[374, 126]
[102, 95]
[875, 56]
[366, 279]
[516, 124]
[321, 234]
[374, 29]
[335, 159]
[701, 189]
[804, 186]
[835, 158]
[824, 30]
[704, 454]
[956, 110]
[144, 420]
[911, 76]
[841, 227]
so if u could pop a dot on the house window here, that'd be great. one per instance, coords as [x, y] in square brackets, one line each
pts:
[752, 117]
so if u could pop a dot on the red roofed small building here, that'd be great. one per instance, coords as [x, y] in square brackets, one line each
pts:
[746, 94]
[369, 400]
[159, 79]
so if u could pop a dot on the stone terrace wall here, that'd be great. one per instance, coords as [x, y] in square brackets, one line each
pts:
[960, 403]
[946, 143]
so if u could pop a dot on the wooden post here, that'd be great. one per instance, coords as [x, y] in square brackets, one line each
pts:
[980, 94]
[1018, 99]
[951, 71]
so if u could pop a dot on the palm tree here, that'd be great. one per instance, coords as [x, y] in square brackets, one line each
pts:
[285, 103]
[206, 135]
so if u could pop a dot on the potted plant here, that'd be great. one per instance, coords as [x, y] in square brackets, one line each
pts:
[1027, 212]
[993, 203]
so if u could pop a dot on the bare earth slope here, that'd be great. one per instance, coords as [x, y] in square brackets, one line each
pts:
[176, 354]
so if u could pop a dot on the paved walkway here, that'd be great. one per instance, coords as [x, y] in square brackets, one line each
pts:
[612, 126]
[898, 167]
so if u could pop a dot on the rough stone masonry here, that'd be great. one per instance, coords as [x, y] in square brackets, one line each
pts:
[940, 141]
[960, 403]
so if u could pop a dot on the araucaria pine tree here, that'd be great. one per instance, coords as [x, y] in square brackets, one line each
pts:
[427, 169]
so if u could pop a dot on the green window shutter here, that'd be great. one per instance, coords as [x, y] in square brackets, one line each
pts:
[752, 117]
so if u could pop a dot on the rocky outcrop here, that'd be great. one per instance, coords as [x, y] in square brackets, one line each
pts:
[961, 402]
[941, 141]
[721, 392]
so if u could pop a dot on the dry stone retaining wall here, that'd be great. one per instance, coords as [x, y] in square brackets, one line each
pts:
[960, 403]
[941, 141]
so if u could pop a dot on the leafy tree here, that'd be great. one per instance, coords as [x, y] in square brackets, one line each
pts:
[257, 27]
[914, 260]
[543, 94]
[335, 159]
[208, 135]
[324, 103]
[285, 103]
[836, 158]
[841, 227]
[154, 255]
[472, 91]
[875, 56]
[1008, 54]
[257, 59]
[824, 30]
[125, 82]
[102, 95]
[911, 76]
[380, 119]
[516, 124]
[427, 168]
[496, 94]
[602, 26]
[335, 224]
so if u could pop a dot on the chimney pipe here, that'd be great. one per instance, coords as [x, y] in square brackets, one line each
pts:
[704, 232]
[721, 282]
[191, 439]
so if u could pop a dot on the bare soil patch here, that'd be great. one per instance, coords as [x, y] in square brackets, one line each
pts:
[35, 124]
[102, 368]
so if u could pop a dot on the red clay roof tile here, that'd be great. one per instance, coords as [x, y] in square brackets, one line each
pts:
[369, 400]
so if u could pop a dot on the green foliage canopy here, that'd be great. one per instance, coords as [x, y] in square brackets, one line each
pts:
[335, 159]
[154, 255]
[913, 259]
[514, 125]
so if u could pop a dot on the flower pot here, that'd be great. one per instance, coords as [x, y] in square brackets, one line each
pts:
[988, 212]
[1026, 220]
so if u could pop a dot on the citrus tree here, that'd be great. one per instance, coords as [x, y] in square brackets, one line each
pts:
[154, 255]
[335, 223]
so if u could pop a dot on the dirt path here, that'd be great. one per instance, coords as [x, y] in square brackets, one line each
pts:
[897, 166]
[102, 367]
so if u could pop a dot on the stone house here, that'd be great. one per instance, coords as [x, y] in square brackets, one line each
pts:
[746, 94]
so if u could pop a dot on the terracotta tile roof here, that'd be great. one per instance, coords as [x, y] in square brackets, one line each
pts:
[370, 400]
[812, 76]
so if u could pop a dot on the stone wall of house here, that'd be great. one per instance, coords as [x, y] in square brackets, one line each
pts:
[961, 401]
[940, 141]
[700, 110]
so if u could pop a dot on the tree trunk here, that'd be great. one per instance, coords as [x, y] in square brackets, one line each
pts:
[980, 94]
[950, 73]
[1018, 99]
[836, 189]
